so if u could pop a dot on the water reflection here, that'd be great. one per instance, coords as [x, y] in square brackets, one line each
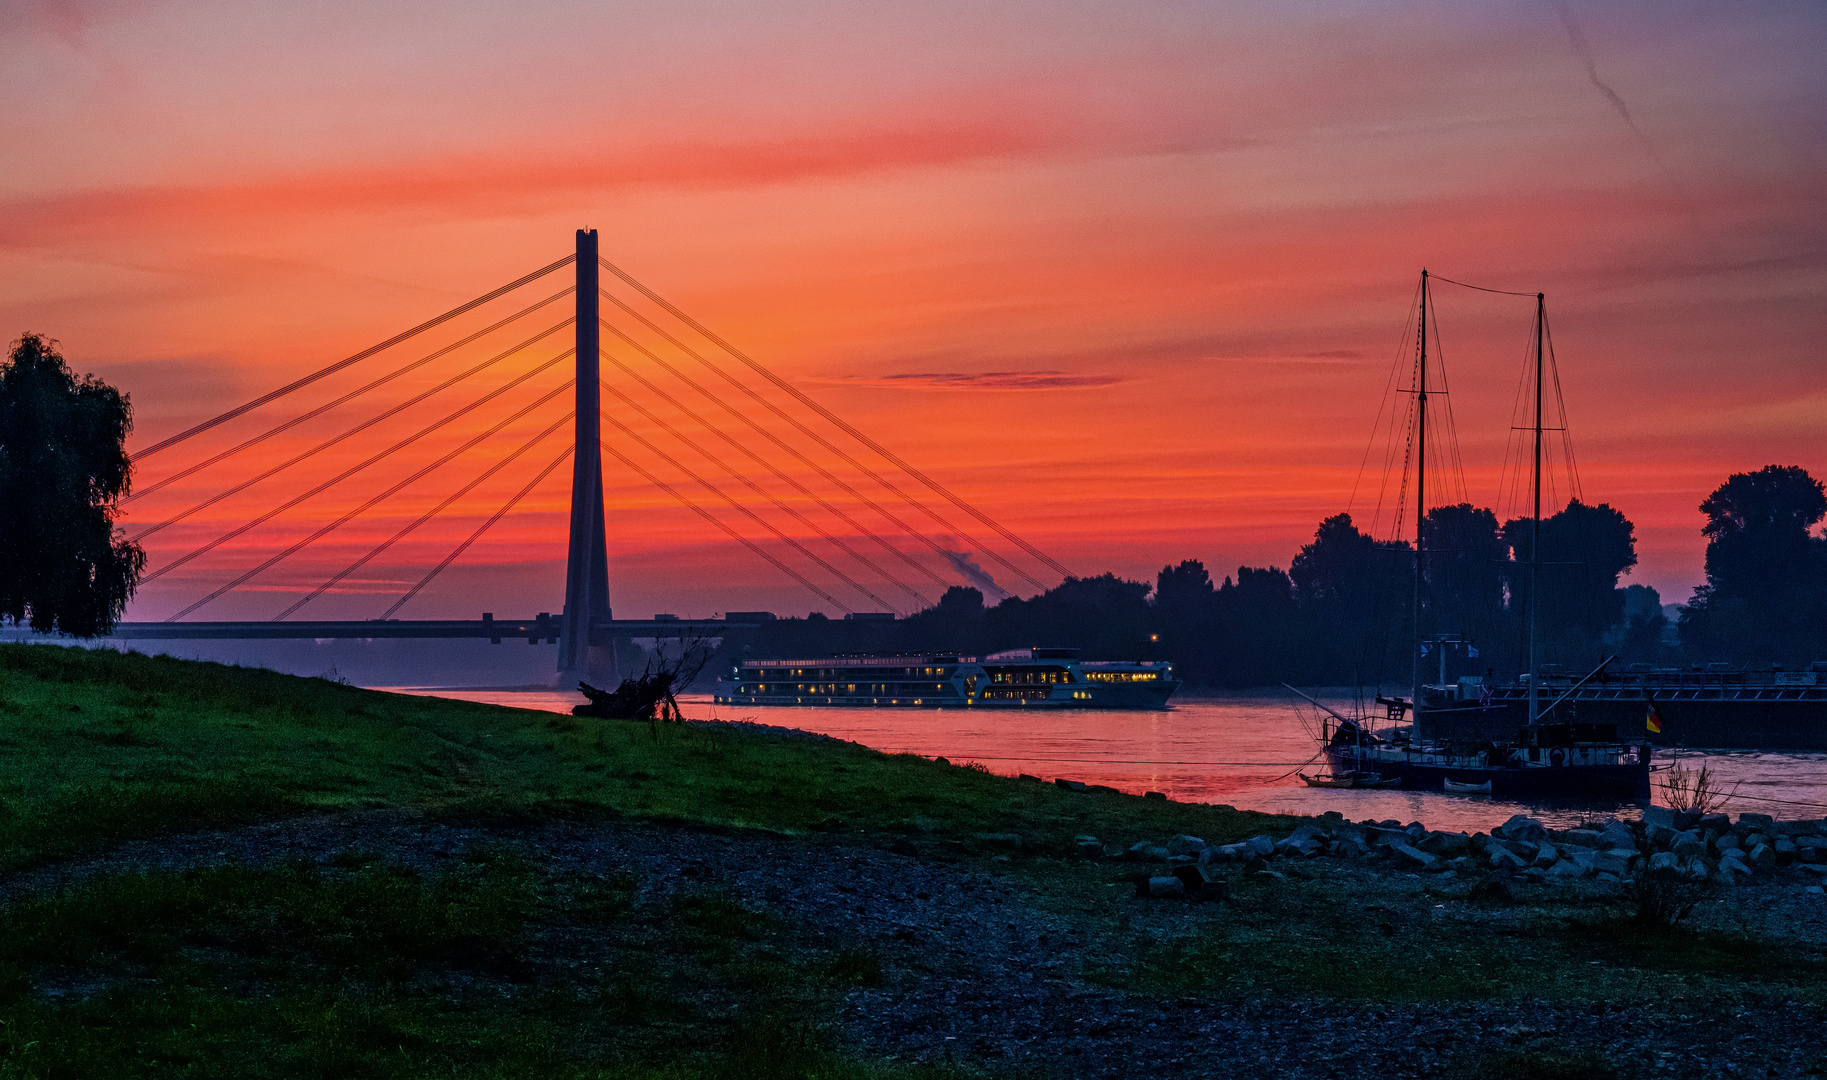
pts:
[1239, 749]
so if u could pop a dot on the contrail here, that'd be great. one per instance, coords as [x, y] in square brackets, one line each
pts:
[1584, 52]
[969, 569]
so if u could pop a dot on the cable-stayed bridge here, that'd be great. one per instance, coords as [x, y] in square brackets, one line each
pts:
[815, 497]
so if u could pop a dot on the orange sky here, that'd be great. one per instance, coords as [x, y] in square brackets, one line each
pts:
[1129, 276]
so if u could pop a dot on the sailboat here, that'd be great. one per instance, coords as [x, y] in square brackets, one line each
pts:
[1456, 736]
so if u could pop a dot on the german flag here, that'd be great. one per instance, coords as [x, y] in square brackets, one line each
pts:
[1653, 721]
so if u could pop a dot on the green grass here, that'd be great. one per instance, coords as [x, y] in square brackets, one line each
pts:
[98, 746]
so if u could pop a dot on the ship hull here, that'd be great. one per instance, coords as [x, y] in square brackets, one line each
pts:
[1627, 782]
[1754, 721]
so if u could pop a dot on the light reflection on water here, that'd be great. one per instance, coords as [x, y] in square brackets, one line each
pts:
[1239, 749]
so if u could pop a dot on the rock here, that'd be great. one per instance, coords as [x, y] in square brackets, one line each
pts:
[1520, 827]
[1697, 870]
[1734, 866]
[1811, 849]
[1608, 863]
[1660, 836]
[1586, 838]
[1733, 852]
[1090, 849]
[1083, 839]
[1414, 857]
[1686, 819]
[1199, 887]
[1003, 841]
[1261, 845]
[1256, 847]
[1663, 864]
[1025, 776]
[1071, 785]
[1762, 858]
[1185, 845]
[1618, 835]
[1566, 868]
[1445, 845]
[1659, 815]
[1157, 795]
[1348, 849]
[1522, 849]
[1689, 847]
[1143, 851]
[1163, 888]
[1752, 839]
[1757, 822]
[1269, 875]
[1546, 855]
[1502, 858]
[1715, 823]
[1785, 851]
[1376, 837]
[1533, 874]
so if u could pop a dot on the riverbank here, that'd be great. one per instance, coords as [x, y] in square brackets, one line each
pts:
[213, 870]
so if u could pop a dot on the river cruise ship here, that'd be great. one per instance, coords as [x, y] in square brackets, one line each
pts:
[1018, 678]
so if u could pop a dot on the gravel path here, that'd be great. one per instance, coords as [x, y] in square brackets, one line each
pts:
[984, 969]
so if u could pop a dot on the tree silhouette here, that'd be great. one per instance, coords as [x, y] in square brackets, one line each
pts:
[63, 566]
[1765, 596]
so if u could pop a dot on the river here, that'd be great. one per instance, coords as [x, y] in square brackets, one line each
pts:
[1240, 749]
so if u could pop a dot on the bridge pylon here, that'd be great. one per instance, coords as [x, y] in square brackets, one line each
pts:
[587, 565]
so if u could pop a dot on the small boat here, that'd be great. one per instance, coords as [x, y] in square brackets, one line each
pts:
[1458, 788]
[1350, 780]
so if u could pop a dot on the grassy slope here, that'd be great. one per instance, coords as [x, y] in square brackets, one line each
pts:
[100, 746]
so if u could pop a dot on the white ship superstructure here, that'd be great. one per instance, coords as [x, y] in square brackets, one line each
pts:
[1017, 678]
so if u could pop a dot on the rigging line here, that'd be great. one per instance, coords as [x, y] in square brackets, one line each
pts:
[757, 489]
[836, 420]
[759, 460]
[756, 518]
[351, 395]
[803, 459]
[358, 357]
[480, 529]
[365, 507]
[1376, 423]
[822, 441]
[352, 470]
[719, 523]
[1481, 288]
[433, 512]
[363, 426]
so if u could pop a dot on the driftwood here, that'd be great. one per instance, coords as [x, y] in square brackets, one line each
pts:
[649, 697]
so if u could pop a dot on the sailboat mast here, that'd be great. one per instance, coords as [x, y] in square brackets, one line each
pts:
[1535, 539]
[1420, 483]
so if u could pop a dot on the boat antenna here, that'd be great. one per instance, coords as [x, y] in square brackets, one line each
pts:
[1535, 539]
[1420, 487]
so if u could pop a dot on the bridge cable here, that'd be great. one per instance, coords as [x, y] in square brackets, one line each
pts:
[815, 437]
[801, 488]
[859, 466]
[744, 480]
[720, 523]
[752, 486]
[756, 518]
[352, 470]
[834, 419]
[363, 426]
[346, 398]
[357, 358]
[365, 507]
[480, 529]
[433, 512]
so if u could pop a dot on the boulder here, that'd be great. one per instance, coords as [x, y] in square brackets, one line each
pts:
[1261, 845]
[1089, 849]
[1071, 785]
[1756, 822]
[1377, 836]
[1163, 888]
[1199, 887]
[1001, 841]
[1586, 838]
[1502, 858]
[1733, 852]
[1304, 841]
[1143, 851]
[1689, 847]
[1659, 815]
[1730, 871]
[1348, 849]
[1413, 857]
[1660, 836]
[1184, 845]
[1785, 851]
[1520, 828]
[1715, 823]
[1618, 835]
[1567, 868]
[1445, 845]
[1606, 862]
[1546, 855]
[1663, 864]
[1522, 849]
[1762, 858]
[1686, 819]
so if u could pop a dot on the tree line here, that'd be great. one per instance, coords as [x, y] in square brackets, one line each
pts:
[1344, 610]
